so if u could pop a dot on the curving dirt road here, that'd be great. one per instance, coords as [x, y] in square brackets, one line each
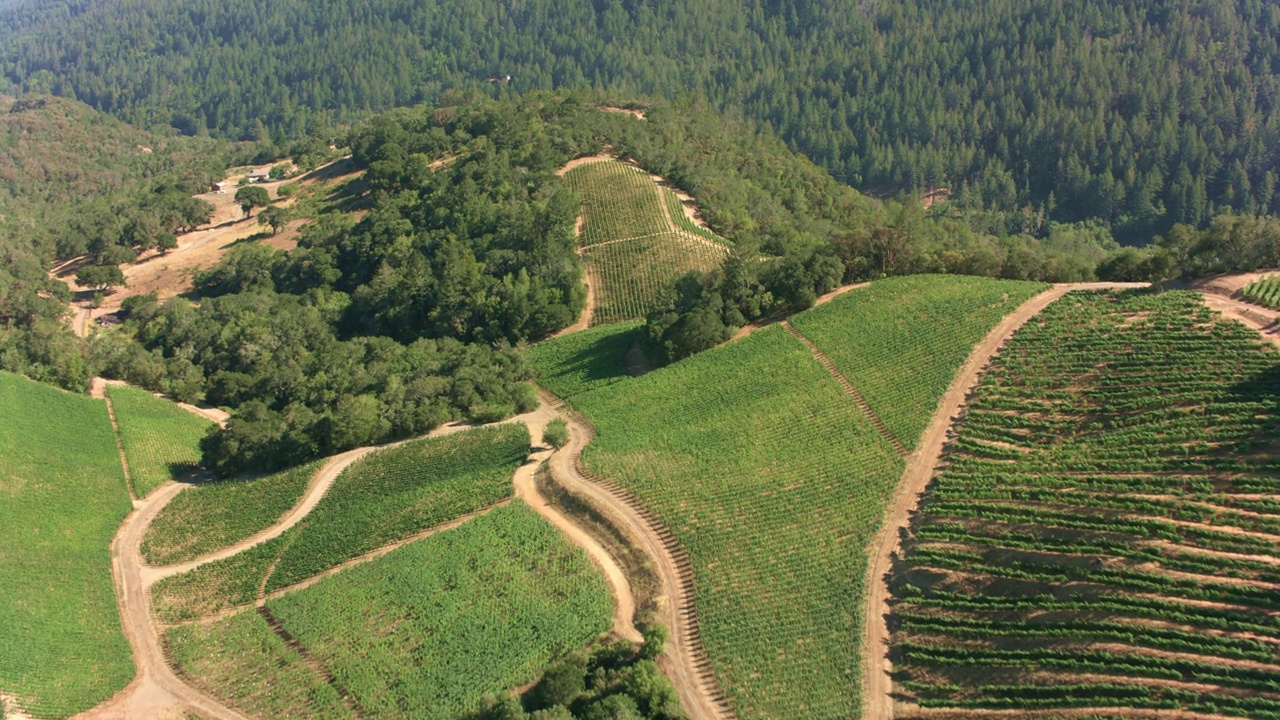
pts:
[684, 661]
[877, 685]
[157, 692]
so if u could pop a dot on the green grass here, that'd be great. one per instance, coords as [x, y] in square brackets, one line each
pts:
[583, 361]
[427, 630]
[209, 517]
[901, 340]
[62, 496]
[1095, 484]
[161, 440]
[240, 660]
[391, 494]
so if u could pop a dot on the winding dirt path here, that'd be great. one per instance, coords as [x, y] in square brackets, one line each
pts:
[876, 667]
[684, 660]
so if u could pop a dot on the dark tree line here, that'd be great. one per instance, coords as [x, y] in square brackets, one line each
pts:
[1141, 114]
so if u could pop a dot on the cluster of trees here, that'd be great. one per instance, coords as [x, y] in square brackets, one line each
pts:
[1140, 114]
[617, 681]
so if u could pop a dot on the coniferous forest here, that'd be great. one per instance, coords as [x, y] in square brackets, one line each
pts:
[1141, 114]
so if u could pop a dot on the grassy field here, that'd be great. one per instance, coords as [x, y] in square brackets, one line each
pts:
[62, 496]
[635, 249]
[209, 517]
[1263, 291]
[240, 660]
[925, 323]
[1106, 529]
[429, 629]
[161, 440]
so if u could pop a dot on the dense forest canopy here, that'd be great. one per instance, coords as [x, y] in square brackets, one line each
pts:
[1141, 113]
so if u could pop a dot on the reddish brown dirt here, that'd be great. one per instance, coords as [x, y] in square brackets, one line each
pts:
[877, 683]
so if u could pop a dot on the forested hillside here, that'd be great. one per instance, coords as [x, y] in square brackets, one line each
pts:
[1142, 113]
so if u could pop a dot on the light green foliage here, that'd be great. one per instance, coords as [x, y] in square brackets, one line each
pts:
[161, 440]
[62, 495]
[1124, 443]
[635, 250]
[633, 273]
[1264, 291]
[396, 492]
[774, 482]
[582, 361]
[619, 202]
[901, 340]
[240, 660]
[212, 516]
[218, 585]
[427, 630]
[675, 206]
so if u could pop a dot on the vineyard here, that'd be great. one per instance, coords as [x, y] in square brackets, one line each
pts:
[928, 324]
[62, 495]
[1263, 291]
[384, 497]
[773, 481]
[636, 235]
[161, 440]
[587, 360]
[242, 661]
[209, 517]
[1104, 531]
[424, 632]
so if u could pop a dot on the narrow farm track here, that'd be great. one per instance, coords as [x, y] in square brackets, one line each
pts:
[684, 660]
[1264, 320]
[852, 391]
[876, 667]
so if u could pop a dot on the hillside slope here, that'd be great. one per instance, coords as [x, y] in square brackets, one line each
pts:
[1138, 113]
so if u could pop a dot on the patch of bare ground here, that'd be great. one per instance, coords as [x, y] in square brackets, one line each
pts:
[1226, 285]
[877, 692]
[638, 114]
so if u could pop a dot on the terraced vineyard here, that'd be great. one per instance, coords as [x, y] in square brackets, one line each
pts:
[773, 480]
[637, 237]
[161, 440]
[1264, 291]
[216, 515]
[62, 495]
[1106, 529]
[927, 324]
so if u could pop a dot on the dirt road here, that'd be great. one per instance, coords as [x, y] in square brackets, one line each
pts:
[876, 668]
[684, 660]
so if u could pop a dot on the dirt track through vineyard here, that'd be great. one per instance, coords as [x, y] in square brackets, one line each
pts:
[158, 693]
[876, 667]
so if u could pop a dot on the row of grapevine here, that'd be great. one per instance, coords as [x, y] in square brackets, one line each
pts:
[675, 206]
[633, 273]
[62, 496]
[209, 517]
[161, 440]
[1264, 291]
[900, 341]
[1108, 510]
[619, 202]
[428, 630]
